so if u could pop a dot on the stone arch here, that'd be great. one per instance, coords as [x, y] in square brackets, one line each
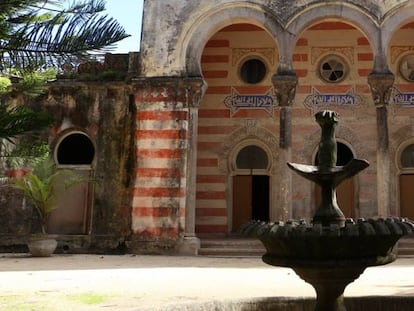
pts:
[399, 140]
[204, 27]
[350, 13]
[394, 20]
[250, 134]
[260, 136]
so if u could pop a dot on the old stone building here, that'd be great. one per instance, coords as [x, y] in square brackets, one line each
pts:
[240, 82]
[195, 142]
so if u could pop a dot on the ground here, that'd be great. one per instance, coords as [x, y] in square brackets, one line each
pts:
[129, 282]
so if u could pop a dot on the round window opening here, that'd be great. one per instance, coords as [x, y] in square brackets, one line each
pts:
[333, 69]
[407, 67]
[75, 149]
[253, 71]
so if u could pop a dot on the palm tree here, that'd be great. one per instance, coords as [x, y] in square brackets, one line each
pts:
[35, 32]
[33, 35]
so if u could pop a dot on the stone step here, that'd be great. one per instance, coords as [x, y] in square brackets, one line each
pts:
[405, 247]
[241, 247]
[230, 252]
[231, 247]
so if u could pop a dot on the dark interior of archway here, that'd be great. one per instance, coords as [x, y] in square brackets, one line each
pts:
[344, 155]
[252, 157]
[407, 157]
[75, 149]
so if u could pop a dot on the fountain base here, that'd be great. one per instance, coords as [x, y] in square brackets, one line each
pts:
[330, 258]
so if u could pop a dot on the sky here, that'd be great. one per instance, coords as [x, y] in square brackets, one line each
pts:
[129, 14]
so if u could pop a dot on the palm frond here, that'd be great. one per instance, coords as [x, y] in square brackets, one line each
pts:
[37, 30]
[21, 120]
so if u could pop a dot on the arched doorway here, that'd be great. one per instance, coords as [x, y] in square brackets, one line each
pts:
[345, 193]
[76, 152]
[406, 181]
[237, 63]
[251, 186]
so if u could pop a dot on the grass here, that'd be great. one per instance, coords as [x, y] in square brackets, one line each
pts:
[89, 298]
[42, 302]
[15, 303]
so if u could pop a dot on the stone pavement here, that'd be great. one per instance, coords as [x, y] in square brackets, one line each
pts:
[130, 282]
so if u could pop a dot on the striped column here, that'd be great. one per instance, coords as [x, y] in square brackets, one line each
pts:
[162, 153]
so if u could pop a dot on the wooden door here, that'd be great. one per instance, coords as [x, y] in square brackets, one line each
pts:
[242, 201]
[407, 196]
[73, 214]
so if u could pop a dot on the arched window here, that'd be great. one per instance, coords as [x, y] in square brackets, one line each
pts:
[75, 149]
[407, 157]
[252, 157]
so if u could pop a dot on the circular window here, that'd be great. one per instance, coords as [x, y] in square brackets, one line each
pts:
[333, 69]
[407, 67]
[253, 71]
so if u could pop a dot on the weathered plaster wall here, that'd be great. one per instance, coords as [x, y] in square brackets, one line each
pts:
[170, 43]
[106, 113]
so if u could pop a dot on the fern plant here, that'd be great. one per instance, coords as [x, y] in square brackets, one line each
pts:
[39, 187]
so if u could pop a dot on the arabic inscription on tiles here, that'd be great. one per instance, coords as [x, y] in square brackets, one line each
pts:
[317, 100]
[237, 101]
[401, 98]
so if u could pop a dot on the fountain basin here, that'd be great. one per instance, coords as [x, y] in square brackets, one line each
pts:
[294, 243]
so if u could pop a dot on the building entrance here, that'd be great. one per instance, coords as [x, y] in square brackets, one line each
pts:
[74, 152]
[407, 182]
[250, 199]
[250, 187]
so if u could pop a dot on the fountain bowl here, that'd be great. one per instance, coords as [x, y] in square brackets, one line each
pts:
[296, 243]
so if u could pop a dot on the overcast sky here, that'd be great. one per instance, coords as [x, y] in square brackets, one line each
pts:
[129, 14]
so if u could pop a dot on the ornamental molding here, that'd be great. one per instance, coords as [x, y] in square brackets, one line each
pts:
[397, 51]
[269, 54]
[318, 51]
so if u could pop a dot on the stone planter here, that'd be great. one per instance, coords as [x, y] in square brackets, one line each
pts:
[42, 245]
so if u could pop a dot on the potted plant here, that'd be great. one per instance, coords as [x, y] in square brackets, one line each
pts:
[38, 187]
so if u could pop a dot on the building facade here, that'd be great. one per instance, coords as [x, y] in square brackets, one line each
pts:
[194, 143]
[227, 94]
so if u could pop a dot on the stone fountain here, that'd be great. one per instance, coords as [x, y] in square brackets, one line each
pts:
[331, 251]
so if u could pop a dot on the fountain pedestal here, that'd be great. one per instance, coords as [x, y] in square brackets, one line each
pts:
[329, 284]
